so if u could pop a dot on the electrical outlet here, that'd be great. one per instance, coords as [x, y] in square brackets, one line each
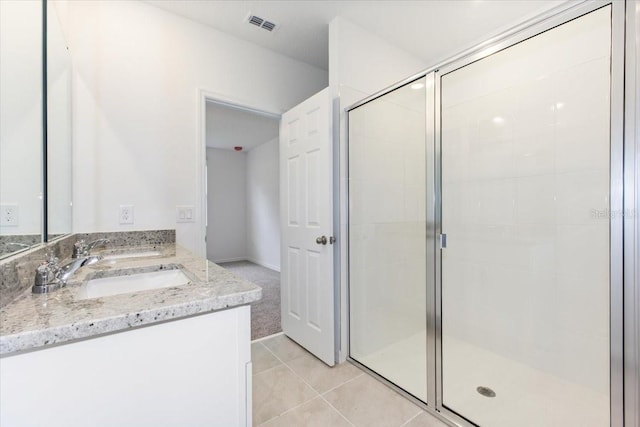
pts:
[185, 214]
[126, 214]
[9, 215]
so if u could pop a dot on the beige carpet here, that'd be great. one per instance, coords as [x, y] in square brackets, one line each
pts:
[265, 314]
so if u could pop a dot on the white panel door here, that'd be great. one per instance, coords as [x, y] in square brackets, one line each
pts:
[306, 212]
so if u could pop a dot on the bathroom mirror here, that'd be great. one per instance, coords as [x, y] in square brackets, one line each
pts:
[21, 129]
[35, 202]
[58, 122]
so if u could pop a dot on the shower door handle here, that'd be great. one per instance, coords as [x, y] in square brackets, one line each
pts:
[322, 240]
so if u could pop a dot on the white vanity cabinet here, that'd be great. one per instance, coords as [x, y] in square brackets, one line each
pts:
[193, 371]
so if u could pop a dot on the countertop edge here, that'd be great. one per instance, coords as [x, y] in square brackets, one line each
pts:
[38, 339]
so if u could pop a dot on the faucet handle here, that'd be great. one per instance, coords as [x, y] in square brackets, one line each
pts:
[80, 248]
[97, 243]
[50, 259]
[46, 273]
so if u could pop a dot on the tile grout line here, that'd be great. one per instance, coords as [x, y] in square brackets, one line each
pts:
[268, 369]
[312, 388]
[420, 410]
[288, 410]
[296, 375]
[303, 380]
[346, 382]
[337, 410]
[321, 395]
[411, 419]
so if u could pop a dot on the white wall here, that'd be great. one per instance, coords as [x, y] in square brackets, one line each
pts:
[243, 205]
[21, 113]
[138, 72]
[263, 205]
[226, 205]
[361, 60]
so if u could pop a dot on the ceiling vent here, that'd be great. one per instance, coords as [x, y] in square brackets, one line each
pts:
[261, 22]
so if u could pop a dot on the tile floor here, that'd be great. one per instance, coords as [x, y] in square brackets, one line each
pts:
[291, 388]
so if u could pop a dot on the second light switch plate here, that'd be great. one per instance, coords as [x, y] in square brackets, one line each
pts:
[185, 214]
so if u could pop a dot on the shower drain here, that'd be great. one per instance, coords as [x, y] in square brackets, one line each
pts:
[486, 391]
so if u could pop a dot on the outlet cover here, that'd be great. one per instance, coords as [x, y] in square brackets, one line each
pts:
[9, 215]
[185, 214]
[126, 214]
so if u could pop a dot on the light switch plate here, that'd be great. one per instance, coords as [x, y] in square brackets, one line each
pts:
[185, 213]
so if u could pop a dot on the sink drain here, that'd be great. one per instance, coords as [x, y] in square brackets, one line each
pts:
[486, 391]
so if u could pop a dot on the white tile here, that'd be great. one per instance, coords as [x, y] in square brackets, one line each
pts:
[575, 106]
[582, 147]
[534, 151]
[536, 200]
[583, 252]
[580, 195]
[497, 202]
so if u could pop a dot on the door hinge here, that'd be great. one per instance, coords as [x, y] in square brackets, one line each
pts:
[443, 241]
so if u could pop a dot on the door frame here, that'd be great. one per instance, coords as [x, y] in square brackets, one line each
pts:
[205, 96]
[624, 170]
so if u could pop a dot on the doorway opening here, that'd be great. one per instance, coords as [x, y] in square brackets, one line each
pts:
[243, 213]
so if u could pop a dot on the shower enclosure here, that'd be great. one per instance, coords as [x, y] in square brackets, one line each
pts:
[484, 250]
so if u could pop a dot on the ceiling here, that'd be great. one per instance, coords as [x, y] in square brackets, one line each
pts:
[228, 127]
[430, 29]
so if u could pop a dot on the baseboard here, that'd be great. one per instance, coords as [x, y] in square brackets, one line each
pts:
[268, 337]
[265, 264]
[218, 261]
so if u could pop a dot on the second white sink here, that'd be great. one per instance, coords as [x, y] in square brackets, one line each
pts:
[131, 255]
[124, 284]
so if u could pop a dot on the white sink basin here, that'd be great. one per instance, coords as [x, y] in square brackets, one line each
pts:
[107, 286]
[131, 255]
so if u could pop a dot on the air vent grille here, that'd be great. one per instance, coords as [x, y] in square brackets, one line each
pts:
[269, 26]
[255, 20]
[261, 22]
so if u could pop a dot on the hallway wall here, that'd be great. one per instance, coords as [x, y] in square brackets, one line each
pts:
[226, 205]
[263, 205]
[243, 205]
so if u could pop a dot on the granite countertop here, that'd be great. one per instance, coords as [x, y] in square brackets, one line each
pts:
[33, 321]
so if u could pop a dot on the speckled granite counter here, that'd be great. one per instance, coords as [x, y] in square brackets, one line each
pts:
[33, 321]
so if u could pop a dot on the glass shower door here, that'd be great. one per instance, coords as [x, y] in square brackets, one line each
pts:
[387, 236]
[525, 143]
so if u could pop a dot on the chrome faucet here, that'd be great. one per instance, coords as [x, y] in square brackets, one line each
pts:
[83, 249]
[66, 271]
[50, 276]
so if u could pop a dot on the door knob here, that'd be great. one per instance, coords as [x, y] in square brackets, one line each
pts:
[322, 240]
